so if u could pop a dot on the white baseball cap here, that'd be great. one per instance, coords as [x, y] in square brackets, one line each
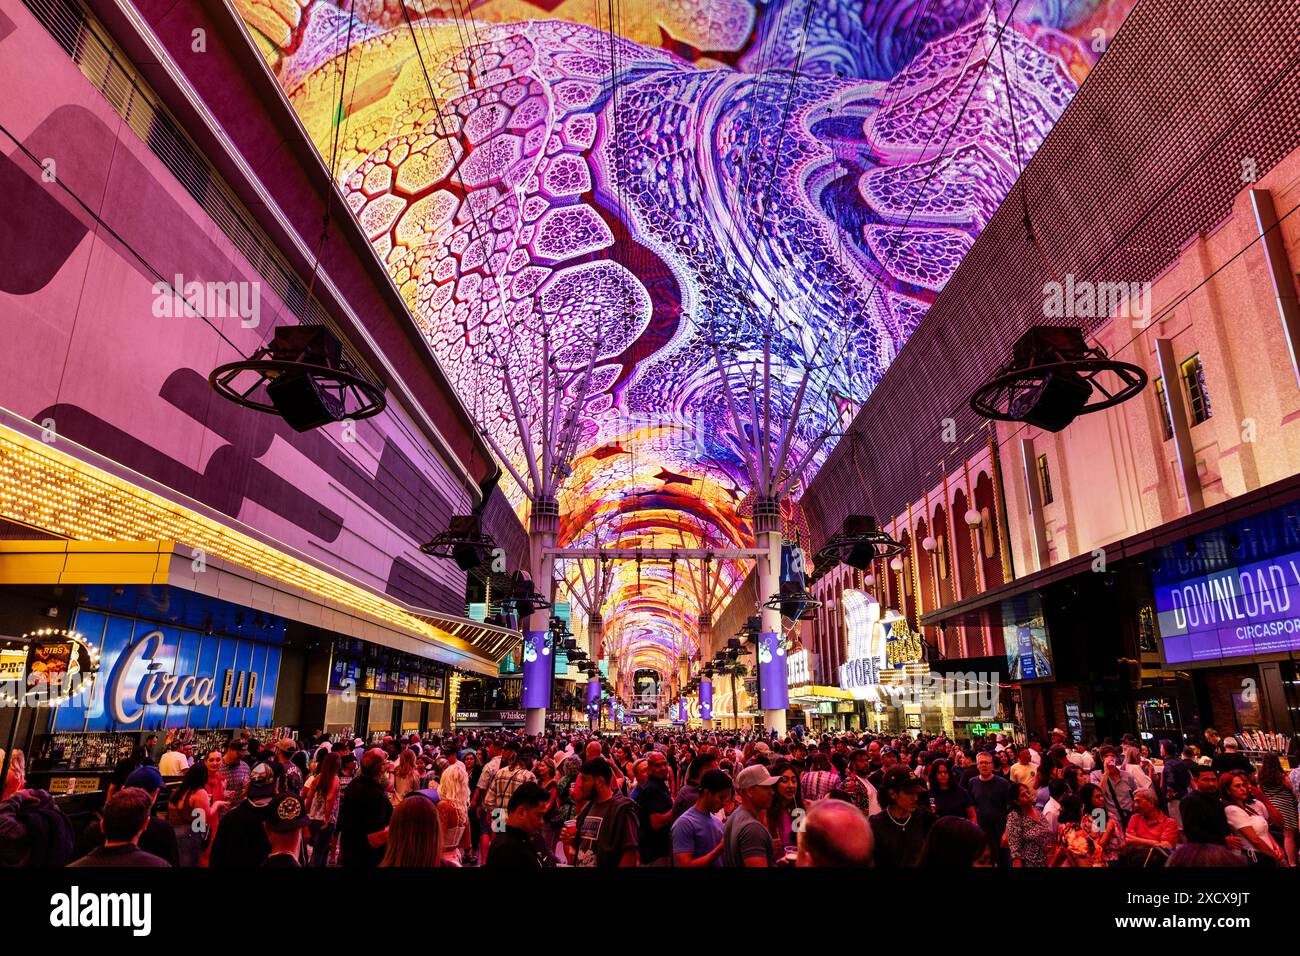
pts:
[755, 775]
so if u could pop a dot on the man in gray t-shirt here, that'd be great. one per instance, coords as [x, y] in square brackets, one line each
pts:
[745, 840]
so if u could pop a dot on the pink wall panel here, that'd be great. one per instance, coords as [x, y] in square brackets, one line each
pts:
[84, 347]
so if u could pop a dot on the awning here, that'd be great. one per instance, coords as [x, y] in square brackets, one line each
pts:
[291, 594]
[112, 525]
[803, 694]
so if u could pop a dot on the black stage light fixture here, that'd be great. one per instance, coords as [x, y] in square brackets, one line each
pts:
[465, 541]
[520, 599]
[859, 541]
[794, 601]
[303, 377]
[525, 597]
[792, 598]
[1052, 379]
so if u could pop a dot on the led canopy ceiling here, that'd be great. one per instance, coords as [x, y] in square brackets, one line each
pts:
[796, 179]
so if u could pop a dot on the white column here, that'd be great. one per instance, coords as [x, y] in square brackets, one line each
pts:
[767, 537]
[543, 525]
[706, 652]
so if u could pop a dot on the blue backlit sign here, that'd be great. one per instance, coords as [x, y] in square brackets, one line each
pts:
[156, 676]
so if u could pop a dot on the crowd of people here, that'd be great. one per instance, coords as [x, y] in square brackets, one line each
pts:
[671, 799]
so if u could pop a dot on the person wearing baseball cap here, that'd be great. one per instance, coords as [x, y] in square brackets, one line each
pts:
[157, 837]
[240, 840]
[900, 829]
[285, 748]
[284, 822]
[234, 771]
[745, 839]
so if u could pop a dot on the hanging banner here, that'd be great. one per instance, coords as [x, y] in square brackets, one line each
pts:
[773, 690]
[593, 699]
[538, 667]
[706, 700]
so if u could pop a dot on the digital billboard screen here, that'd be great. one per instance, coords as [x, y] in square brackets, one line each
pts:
[1246, 609]
[1233, 592]
[1024, 633]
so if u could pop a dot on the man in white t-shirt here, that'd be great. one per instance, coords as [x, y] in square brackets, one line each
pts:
[1056, 789]
[175, 761]
[1035, 752]
[1080, 757]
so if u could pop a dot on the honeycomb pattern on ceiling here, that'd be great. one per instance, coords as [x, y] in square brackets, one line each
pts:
[804, 172]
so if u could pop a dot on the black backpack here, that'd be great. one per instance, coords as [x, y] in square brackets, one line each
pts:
[47, 838]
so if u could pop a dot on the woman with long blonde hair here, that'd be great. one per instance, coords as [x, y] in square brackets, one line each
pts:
[453, 813]
[414, 834]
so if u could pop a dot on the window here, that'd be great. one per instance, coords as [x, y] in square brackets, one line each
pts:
[1045, 479]
[1165, 421]
[1194, 379]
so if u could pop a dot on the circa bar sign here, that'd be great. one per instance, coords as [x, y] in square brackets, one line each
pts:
[163, 677]
[126, 700]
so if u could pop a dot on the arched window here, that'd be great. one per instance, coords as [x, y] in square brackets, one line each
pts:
[963, 556]
[990, 550]
[943, 556]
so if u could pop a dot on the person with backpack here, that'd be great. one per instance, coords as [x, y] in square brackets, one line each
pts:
[34, 831]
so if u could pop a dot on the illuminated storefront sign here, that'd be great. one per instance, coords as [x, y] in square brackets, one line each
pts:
[489, 717]
[860, 674]
[127, 696]
[903, 646]
[799, 668]
[171, 677]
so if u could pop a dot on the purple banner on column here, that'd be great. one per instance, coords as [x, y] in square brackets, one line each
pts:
[681, 711]
[706, 700]
[773, 682]
[593, 699]
[538, 668]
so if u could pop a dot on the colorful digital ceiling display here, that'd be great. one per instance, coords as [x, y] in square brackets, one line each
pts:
[799, 177]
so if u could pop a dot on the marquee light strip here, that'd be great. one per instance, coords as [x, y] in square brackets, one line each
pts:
[42, 487]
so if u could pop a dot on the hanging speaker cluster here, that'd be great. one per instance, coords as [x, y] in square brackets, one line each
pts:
[303, 377]
[1053, 377]
[465, 541]
[859, 541]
